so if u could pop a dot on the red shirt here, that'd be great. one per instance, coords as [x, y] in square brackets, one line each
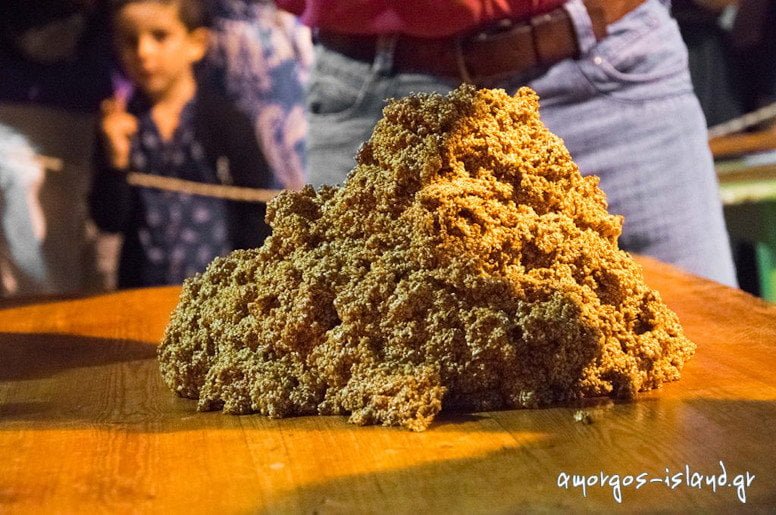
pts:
[423, 18]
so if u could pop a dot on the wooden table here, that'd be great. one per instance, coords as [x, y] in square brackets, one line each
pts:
[87, 425]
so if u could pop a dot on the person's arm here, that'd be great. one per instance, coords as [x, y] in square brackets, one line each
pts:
[248, 167]
[110, 198]
[228, 132]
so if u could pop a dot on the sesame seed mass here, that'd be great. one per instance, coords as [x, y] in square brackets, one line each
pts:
[465, 264]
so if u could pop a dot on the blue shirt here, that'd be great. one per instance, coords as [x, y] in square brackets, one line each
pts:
[176, 234]
[169, 236]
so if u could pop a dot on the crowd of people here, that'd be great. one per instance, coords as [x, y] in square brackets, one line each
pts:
[234, 92]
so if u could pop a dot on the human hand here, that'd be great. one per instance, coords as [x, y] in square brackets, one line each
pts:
[118, 127]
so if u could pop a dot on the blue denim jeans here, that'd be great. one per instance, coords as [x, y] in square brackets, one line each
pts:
[625, 109]
[20, 178]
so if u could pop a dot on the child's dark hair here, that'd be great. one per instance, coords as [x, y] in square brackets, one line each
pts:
[193, 13]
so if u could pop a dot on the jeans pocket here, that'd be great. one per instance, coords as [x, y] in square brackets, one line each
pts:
[643, 58]
[337, 86]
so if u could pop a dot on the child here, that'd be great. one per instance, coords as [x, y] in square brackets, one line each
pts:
[170, 127]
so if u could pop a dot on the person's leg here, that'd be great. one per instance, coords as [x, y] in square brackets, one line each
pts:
[346, 99]
[20, 215]
[627, 112]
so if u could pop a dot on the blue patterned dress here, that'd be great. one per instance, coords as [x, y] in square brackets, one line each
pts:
[169, 235]
[176, 235]
[259, 59]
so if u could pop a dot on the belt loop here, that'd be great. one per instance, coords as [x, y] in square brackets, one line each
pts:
[385, 49]
[583, 25]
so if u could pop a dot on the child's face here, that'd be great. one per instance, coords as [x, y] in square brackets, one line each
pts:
[155, 47]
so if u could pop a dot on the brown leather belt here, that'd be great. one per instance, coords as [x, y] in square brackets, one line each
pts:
[508, 48]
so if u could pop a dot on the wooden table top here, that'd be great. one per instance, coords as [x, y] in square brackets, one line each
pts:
[86, 424]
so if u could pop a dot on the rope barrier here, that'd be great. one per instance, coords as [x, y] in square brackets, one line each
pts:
[743, 122]
[242, 194]
[145, 180]
[221, 191]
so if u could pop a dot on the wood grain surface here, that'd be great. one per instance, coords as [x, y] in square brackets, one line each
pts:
[86, 425]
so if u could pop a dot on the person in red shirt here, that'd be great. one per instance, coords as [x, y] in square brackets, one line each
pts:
[611, 75]
[424, 18]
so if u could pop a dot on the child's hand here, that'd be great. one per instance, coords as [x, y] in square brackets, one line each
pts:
[118, 127]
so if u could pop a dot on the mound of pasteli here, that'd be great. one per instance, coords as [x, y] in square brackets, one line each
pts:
[465, 264]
